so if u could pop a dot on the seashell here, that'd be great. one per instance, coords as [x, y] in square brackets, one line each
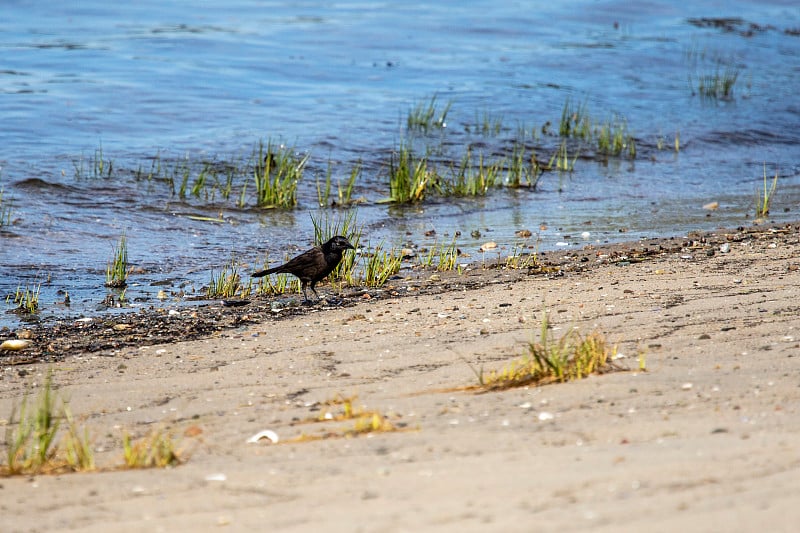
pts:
[266, 434]
[15, 345]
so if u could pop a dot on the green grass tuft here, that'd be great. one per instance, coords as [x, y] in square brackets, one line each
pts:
[425, 116]
[117, 269]
[570, 357]
[764, 199]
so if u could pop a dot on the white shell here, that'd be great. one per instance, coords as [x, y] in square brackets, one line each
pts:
[15, 345]
[266, 434]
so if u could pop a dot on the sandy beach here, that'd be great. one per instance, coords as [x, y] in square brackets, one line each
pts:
[704, 439]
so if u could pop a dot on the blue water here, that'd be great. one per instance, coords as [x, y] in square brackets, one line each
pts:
[209, 80]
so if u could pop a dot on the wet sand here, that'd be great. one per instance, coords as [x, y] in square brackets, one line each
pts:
[704, 440]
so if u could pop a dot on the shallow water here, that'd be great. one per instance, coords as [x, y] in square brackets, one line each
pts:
[127, 83]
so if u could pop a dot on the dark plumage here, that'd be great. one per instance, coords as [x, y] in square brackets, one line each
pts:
[313, 265]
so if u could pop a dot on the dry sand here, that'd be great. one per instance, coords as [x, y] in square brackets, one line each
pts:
[707, 439]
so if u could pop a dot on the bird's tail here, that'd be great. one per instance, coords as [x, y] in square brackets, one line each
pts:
[267, 272]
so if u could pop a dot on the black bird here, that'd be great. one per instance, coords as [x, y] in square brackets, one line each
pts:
[313, 265]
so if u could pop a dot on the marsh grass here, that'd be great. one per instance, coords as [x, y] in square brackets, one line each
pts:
[117, 268]
[718, 84]
[486, 124]
[572, 356]
[26, 299]
[344, 196]
[98, 166]
[32, 444]
[469, 179]
[560, 160]
[443, 257]
[156, 450]
[425, 116]
[409, 176]
[79, 455]
[522, 171]
[380, 265]
[277, 285]
[575, 121]
[763, 198]
[613, 139]
[228, 283]
[276, 174]
[518, 259]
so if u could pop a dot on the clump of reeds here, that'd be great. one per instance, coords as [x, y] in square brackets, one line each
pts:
[409, 176]
[519, 259]
[613, 139]
[719, 83]
[31, 440]
[117, 269]
[425, 116]
[523, 171]
[764, 199]
[26, 299]
[443, 257]
[380, 265]
[486, 124]
[276, 174]
[344, 196]
[100, 168]
[560, 160]
[228, 283]
[156, 450]
[575, 121]
[572, 356]
[471, 180]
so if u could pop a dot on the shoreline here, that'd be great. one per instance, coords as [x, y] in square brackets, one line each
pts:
[703, 440]
[53, 340]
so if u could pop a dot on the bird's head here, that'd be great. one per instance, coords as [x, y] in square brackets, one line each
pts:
[338, 244]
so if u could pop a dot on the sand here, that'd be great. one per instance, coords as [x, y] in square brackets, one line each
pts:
[705, 439]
